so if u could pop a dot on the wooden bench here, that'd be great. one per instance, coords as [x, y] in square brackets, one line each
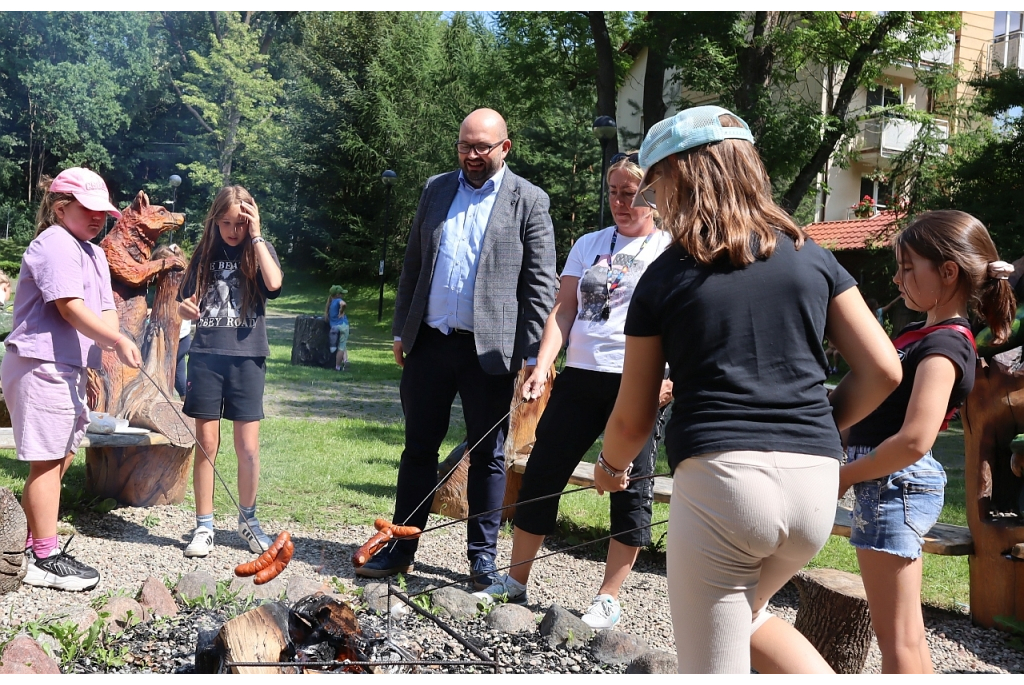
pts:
[137, 469]
[943, 538]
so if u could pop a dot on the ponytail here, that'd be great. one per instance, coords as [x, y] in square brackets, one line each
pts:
[955, 236]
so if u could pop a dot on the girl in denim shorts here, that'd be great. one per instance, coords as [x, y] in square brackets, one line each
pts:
[946, 264]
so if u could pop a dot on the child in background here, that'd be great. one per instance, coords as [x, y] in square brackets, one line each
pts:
[63, 314]
[232, 273]
[6, 312]
[946, 263]
[334, 312]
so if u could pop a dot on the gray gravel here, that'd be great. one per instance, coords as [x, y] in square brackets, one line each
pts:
[128, 545]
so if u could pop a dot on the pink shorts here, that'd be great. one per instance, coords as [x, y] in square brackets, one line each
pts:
[47, 405]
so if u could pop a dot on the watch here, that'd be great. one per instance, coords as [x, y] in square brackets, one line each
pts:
[258, 239]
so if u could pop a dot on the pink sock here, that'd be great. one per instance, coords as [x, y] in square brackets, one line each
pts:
[43, 547]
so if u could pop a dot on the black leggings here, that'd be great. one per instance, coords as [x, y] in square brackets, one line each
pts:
[581, 402]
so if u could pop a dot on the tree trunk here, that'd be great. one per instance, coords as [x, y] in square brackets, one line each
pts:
[605, 73]
[310, 342]
[654, 87]
[833, 616]
[13, 531]
[143, 476]
[756, 62]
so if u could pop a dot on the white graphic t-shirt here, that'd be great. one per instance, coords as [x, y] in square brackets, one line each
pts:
[596, 343]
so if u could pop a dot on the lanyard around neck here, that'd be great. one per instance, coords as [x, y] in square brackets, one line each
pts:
[616, 277]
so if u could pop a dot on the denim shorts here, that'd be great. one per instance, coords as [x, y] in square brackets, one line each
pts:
[893, 513]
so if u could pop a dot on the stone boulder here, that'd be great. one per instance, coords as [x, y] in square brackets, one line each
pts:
[616, 647]
[562, 628]
[455, 603]
[82, 616]
[124, 612]
[299, 587]
[511, 618]
[247, 589]
[654, 662]
[24, 655]
[13, 531]
[376, 597]
[194, 585]
[156, 599]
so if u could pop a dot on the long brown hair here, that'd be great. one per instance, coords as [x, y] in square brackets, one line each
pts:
[719, 202]
[210, 245]
[950, 235]
[46, 215]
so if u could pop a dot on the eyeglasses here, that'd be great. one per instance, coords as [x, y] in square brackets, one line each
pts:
[632, 158]
[479, 148]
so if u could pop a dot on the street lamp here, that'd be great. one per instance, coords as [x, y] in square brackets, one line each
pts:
[605, 131]
[388, 178]
[174, 181]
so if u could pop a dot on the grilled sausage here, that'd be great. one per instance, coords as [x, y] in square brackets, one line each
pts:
[278, 565]
[265, 559]
[375, 544]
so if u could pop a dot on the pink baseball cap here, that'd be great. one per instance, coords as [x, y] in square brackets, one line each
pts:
[87, 187]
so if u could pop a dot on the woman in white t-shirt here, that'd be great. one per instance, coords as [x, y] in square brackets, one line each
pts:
[591, 313]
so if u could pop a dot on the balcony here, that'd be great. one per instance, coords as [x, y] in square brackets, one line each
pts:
[1006, 52]
[883, 137]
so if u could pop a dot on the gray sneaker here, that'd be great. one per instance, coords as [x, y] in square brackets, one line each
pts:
[250, 531]
[60, 571]
[507, 589]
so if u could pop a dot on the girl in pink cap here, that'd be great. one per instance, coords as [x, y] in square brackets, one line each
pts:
[63, 316]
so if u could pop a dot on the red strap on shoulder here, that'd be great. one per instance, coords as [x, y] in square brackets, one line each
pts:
[910, 337]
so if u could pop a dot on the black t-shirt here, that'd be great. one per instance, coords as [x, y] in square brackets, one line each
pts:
[887, 420]
[223, 328]
[744, 347]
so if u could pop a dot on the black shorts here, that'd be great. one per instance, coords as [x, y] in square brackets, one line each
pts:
[222, 386]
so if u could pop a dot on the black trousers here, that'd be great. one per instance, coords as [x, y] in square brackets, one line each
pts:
[438, 367]
[580, 404]
[184, 344]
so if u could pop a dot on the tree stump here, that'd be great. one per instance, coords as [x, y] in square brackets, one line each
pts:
[13, 531]
[450, 499]
[143, 476]
[833, 616]
[310, 343]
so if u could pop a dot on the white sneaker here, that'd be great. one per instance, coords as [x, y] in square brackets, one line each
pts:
[507, 589]
[250, 531]
[604, 613]
[202, 543]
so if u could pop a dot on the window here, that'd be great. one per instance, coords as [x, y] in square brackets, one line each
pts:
[883, 96]
[867, 187]
[1007, 23]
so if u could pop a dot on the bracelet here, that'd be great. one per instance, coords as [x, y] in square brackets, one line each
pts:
[608, 468]
[120, 336]
[258, 239]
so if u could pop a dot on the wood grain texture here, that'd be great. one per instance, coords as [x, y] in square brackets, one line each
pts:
[834, 617]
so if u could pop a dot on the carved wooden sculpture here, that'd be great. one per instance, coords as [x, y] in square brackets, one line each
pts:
[992, 416]
[450, 499]
[148, 475]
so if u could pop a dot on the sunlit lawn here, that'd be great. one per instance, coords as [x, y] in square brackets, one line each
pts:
[342, 470]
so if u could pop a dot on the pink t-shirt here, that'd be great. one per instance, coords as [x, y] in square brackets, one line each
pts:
[57, 265]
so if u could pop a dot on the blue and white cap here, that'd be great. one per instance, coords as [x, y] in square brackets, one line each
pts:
[687, 129]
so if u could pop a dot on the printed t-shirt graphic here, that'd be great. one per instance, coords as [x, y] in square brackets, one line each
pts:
[222, 303]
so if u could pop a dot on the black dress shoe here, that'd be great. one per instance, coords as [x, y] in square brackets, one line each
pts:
[386, 564]
[484, 571]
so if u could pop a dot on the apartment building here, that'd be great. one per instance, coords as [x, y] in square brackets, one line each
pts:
[984, 39]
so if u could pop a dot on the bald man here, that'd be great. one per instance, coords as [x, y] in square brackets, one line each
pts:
[477, 285]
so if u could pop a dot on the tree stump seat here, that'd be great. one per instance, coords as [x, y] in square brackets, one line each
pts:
[311, 342]
[13, 530]
[833, 615]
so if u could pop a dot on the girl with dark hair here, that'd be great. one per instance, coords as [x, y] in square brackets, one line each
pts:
[946, 266]
[232, 274]
[738, 306]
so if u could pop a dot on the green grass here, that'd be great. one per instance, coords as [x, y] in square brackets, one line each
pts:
[335, 471]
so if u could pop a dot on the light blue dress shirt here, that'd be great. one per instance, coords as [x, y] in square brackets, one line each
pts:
[450, 303]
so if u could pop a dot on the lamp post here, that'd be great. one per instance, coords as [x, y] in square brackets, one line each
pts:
[174, 182]
[388, 178]
[605, 131]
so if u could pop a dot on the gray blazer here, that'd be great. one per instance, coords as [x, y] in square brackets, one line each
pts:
[515, 281]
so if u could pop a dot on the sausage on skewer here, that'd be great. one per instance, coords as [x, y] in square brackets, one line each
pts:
[268, 558]
[386, 531]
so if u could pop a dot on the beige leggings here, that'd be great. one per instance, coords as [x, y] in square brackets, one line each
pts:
[741, 524]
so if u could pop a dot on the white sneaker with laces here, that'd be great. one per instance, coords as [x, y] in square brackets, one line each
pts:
[250, 531]
[202, 543]
[505, 590]
[604, 613]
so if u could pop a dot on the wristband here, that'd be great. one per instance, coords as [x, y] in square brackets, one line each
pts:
[258, 239]
[608, 468]
[119, 338]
